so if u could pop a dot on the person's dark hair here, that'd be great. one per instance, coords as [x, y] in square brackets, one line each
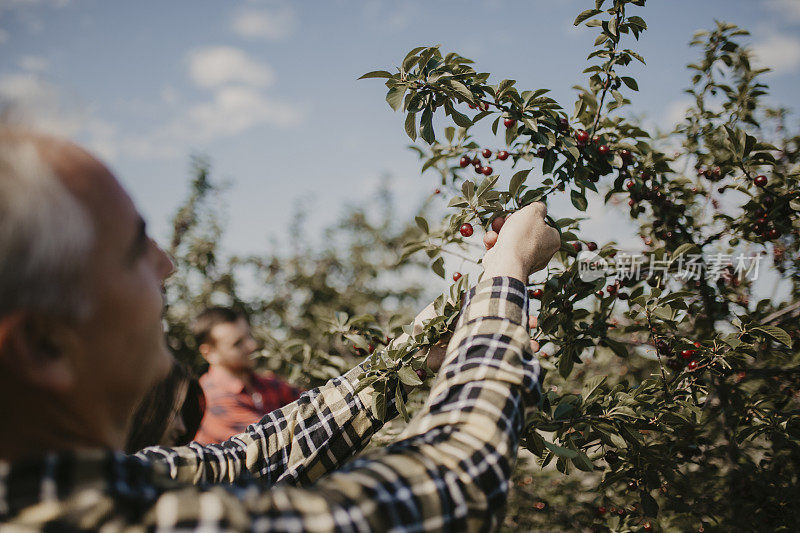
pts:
[180, 392]
[207, 319]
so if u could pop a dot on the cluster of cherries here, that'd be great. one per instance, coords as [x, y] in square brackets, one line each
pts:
[763, 227]
[476, 162]
[677, 359]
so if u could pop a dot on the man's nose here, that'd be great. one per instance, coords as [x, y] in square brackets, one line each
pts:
[165, 265]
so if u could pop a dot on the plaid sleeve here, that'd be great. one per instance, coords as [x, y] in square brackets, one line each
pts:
[295, 444]
[449, 471]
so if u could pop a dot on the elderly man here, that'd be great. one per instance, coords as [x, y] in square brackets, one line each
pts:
[81, 342]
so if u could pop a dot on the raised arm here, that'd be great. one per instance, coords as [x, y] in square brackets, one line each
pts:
[450, 470]
[295, 444]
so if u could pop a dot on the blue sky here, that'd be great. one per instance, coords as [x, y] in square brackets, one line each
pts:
[268, 90]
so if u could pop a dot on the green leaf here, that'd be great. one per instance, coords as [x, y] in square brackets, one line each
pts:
[591, 385]
[423, 224]
[649, 505]
[408, 376]
[365, 382]
[395, 97]
[379, 404]
[438, 267]
[549, 162]
[503, 86]
[630, 82]
[460, 119]
[582, 462]
[578, 200]
[617, 347]
[376, 74]
[560, 451]
[682, 250]
[586, 15]
[517, 180]
[795, 205]
[411, 126]
[462, 90]
[426, 126]
[398, 401]
[775, 333]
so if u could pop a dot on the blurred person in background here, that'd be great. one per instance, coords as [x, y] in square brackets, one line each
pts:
[170, 414]
[236, 395]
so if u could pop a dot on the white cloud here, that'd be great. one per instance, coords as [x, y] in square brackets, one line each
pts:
[234, 110]
[675, 112]
[273, 24]
[779, 52]
[36, 103]
[33, 63]
[3, 36]
[217, 66]
[788, 9]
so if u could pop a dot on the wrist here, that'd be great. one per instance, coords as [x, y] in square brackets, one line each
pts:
[507, 269]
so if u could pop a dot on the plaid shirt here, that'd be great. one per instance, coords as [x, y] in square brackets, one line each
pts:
[448, 471]
[231, 405]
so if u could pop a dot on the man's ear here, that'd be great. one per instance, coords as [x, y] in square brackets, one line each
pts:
[37, 350]
[207, 351]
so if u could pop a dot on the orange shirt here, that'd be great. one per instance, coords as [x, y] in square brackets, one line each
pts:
[231, 406]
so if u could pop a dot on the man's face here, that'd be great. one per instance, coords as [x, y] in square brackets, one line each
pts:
[121, 351]
[231, 346]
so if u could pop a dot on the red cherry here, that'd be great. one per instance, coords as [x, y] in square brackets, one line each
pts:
[502, 155]
[687, 354]
[437, 191]
[760, 180]
[478, 169]
[509, 122]
[627, 157]
[611, 289]
[487, 153]
[536, 293]
[464, 161]
[692, 365]
[563, 124]
[697, 344]
[541, 151]
[497, 223]
[761, 221]
[631, 202]
[773, 234]
[592, 246]
[601, 510]
[421, 374]
[630, 184]
[603, 150]
[577, 246]
[487, 171]
[582, 136]
[647, 526]
[466, 230]
[599, 294]
[456, 276]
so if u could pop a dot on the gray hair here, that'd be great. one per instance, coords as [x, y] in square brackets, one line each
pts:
[45, 235]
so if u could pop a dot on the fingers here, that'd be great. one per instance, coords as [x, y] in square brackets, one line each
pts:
[534, 346]
[489, 239]
[533, 322]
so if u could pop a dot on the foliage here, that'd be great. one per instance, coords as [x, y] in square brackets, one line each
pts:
[673, 399]
[294, 294]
